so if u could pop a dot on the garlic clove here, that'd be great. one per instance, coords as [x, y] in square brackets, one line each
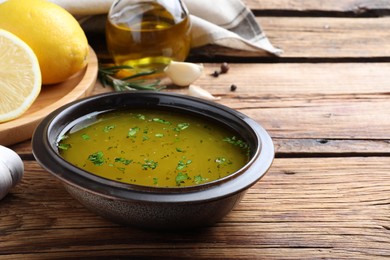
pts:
[11, 170]
[183, 73]
[15, 164]
[5, 180]
[199, 92]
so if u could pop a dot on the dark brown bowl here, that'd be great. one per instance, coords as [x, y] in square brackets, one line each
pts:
[153, 207]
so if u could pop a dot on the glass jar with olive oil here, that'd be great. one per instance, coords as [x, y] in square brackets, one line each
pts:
[148, 34]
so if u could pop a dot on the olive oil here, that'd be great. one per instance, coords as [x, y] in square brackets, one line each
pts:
[148, 34]
[160, 149]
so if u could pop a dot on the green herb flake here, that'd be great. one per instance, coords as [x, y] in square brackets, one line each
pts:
[159, 135]
[199, 179]
[108, 128]
[63, 146]
[237, 142]
[155, 181]
[181, 127]
[162, 121]
[123, 160]
[181, 165]
[149, 164]
[85, 137]
[179, 150]
[132, 132]
[140, 116]
[97, 158]
[220, 160]
[181, 178]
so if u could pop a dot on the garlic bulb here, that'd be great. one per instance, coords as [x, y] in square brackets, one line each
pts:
[183, 73]
[11, 170]
[199, 92]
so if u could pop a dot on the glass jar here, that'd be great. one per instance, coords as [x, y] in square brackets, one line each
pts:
[148, 33]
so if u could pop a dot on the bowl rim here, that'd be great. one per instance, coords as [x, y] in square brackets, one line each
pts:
[242, 179]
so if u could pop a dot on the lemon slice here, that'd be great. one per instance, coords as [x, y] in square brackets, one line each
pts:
[20, 76]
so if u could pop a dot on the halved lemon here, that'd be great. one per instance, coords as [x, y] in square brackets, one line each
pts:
[20, 76]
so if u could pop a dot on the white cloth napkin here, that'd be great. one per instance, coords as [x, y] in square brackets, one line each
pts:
[227, 23]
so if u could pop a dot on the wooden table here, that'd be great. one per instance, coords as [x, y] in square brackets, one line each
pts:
[326, 104]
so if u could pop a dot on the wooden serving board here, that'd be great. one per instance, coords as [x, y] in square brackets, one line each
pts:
[50, 98]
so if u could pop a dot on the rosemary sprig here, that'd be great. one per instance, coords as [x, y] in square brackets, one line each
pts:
[106, 76]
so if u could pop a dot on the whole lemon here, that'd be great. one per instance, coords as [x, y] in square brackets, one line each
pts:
[54, 35]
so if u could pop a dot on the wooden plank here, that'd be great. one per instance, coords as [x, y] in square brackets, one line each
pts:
[330, 147]
[354, 6]
[210, 253]
[329, 37]
[291, 84]
[315, 38]
[362, 120]
[308, 100]
[328, 207]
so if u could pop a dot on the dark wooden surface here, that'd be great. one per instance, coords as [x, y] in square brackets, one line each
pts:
[326, 104]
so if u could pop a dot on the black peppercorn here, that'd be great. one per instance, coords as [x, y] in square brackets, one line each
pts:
[233, 87]
[215, 74]
[225, 67]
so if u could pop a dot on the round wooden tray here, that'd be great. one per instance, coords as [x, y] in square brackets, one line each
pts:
[50, 98]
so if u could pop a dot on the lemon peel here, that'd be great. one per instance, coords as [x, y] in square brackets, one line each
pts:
[54, 35]
[20, 76]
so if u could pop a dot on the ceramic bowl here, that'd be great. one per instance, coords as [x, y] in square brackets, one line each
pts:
[152, 207]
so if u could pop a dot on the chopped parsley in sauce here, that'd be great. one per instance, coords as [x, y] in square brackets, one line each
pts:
[154, 148]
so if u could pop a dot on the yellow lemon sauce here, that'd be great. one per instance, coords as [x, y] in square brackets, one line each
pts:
[160, 149]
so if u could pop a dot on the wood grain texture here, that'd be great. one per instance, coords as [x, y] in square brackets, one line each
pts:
[318, 207]
[329, 37]
[300, 100]
[358, 7]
